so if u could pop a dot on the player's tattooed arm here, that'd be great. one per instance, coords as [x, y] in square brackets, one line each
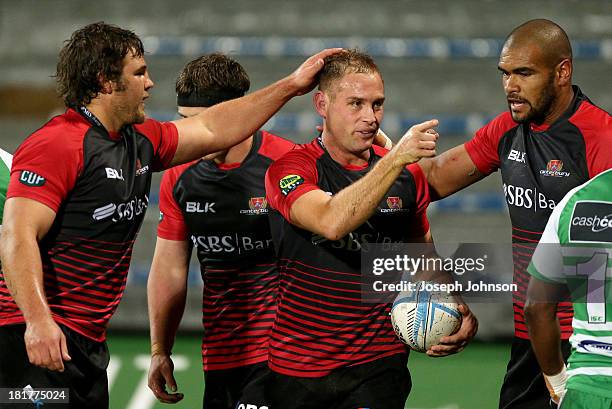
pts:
[450, 172]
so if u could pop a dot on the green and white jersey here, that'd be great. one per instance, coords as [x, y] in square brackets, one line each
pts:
[576, 250]
[5, 173]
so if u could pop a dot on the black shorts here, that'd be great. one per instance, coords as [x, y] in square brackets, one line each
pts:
[84, 375]
[381, 384]
[524, 386]
[236, 388]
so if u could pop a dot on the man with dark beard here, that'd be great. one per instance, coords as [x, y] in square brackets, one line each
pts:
[552, 139]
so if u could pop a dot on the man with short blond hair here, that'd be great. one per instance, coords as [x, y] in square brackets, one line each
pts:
[328, 347]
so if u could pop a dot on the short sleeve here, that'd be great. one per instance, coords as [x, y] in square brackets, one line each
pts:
[290, 177]
[164, 137]
[45, 168]
[595, 125]
[171, 221]
[547, 261]
[273, 146]
[483, 147]
[421, 222]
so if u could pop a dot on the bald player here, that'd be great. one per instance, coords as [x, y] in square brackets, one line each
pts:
[552, 139]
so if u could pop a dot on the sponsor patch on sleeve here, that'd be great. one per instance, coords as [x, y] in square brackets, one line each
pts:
[289, 183]
[32, 179]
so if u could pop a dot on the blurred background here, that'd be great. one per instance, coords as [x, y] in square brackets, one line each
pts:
[438, 59]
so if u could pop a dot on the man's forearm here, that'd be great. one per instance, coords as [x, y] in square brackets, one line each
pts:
[449, 172]
[353, 205]
[545, 336]
[334, 217]
[22, 268]
[167, 300]
[243, 116]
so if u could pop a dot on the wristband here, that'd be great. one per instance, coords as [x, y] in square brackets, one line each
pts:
[556, 384]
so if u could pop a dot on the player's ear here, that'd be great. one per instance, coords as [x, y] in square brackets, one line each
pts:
[321, 102]
[106, 86]
[564, 72]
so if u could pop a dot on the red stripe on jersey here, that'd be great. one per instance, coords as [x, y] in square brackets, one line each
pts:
[298, 277]
[538, 233]
[304, 290]
[80, 290]
[524, 246]
[327, 270]
[514, 236]
[238, 310]
[521, 278]
[296, 297]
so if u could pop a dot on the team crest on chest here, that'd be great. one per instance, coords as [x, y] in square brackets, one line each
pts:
[257, 205]
[554, 168]
[394, 205]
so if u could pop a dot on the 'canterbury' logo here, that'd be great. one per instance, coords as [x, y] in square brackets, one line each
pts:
[30, 178]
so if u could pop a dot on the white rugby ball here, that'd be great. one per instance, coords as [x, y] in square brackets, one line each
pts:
[421, 317]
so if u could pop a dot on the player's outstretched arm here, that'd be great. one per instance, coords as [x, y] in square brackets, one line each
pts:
[333, 217]
[166, 294]
[229, 123]
[26, 221]
[450, 172]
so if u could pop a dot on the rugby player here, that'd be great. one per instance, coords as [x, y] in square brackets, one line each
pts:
[78, 194]
[217, 205]
[328, 348]
[552, 139]
[574, 254]
[233, 243]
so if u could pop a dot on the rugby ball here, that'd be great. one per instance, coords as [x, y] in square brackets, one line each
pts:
[421, 317]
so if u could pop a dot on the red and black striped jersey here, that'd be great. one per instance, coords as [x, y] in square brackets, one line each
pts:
[539, 165]
[98, 185]
[222, 210]
[322, 323]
